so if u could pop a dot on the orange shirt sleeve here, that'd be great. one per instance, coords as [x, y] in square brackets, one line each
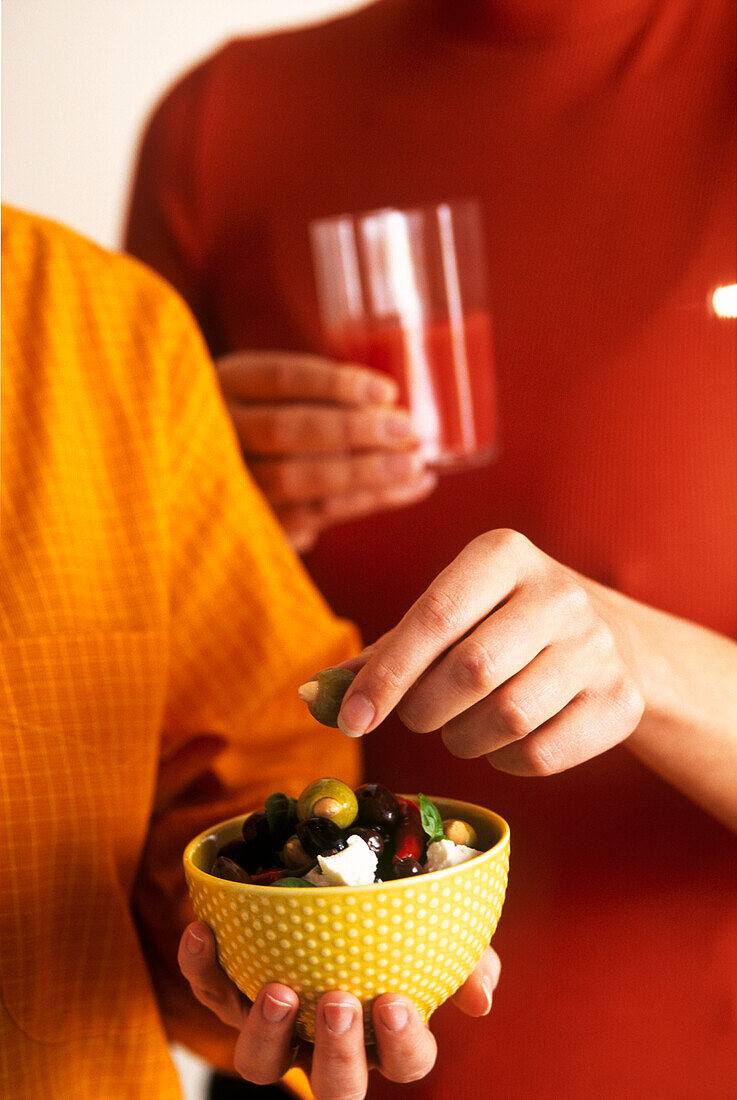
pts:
[154, 627]
[246, 628]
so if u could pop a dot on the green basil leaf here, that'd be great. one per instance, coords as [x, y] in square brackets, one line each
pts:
[293, 882]
[281, 815]
[432, 822]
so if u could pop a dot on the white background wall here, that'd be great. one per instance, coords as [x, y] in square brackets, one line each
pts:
[79, 77]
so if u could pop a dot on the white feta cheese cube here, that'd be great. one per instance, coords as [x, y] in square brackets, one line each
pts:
[444, 853]
[316, 877]
[355, 865]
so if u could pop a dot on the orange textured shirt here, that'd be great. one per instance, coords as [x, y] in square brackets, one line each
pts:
[153, 628]
[599, 137]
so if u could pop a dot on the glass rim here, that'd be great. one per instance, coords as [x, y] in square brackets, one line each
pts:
[424, 208]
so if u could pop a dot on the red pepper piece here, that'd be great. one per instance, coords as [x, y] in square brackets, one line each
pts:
[265, 878]
[409, 836]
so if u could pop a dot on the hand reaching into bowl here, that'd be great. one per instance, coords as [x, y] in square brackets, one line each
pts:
[338, 1063]
[518, 658]
[511, 655]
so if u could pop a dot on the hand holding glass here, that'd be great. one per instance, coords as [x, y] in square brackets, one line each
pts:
[404, 292]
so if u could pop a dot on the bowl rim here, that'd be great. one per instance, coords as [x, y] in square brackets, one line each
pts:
[245, 888]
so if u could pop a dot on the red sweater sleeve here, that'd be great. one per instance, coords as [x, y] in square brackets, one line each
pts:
[163, 223]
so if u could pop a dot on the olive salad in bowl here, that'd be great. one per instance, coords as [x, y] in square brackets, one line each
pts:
[335, 836]
[357, 889]
[371, 906]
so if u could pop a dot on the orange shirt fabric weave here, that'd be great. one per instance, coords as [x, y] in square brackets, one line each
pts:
[154, 626]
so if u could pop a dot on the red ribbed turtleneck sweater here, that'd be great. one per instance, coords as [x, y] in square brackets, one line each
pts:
[599, 138]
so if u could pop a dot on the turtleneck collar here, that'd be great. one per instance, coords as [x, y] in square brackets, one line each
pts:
[519, 20]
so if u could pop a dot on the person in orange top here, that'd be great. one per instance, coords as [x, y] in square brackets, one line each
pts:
[154, 627]
[599, 138]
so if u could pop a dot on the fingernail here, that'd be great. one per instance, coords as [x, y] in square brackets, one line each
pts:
[486, 986]
[400, 465]
[413, 490]
[393, 1016]
[195, 944]
[380, 391]
[274, 1010]
[356, 715]
[339, 1017]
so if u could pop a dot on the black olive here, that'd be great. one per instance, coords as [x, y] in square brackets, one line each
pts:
[377, 806]
[372, 837]
[226, 868]
[405, 868]
[385, 867]
[318, 834]
[237, 850]
[340, 845]
[256, 826]
[259, 848]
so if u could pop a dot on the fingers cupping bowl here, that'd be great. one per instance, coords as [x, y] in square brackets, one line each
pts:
[361, 890]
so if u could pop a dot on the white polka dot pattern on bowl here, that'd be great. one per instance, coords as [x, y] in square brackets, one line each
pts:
[418, 936]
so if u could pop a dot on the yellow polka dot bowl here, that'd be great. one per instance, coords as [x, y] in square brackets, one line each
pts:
[420, 936]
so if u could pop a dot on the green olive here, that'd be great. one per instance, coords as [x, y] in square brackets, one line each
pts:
[460, 832]
[324, 694]
[329, 798]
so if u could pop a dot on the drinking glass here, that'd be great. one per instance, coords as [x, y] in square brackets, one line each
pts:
[404, 291]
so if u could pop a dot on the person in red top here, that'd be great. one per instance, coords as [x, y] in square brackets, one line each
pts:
[600, 140]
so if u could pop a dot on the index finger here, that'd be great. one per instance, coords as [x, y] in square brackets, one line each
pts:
[475, 995]
[483, 576]
[275, 375]
[339, 1067]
